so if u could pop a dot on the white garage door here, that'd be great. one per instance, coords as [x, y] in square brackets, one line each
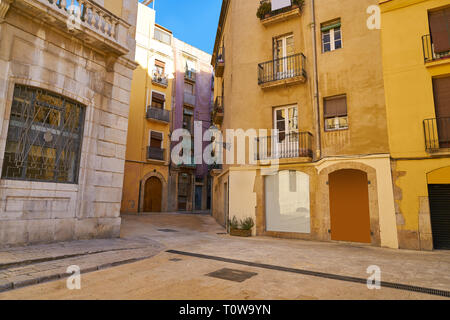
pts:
[287, 202]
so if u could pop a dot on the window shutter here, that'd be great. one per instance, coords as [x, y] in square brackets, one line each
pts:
[441, 88]
[157, 135]
[158, 97]
[440, 30]
[335, 107]
[159, 64]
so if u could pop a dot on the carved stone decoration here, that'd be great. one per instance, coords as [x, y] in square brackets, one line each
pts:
[4, 7]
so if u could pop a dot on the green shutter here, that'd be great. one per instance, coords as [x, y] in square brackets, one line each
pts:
[331, 26]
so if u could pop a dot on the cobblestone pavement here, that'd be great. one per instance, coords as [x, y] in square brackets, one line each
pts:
[169, 275]
[22, 266]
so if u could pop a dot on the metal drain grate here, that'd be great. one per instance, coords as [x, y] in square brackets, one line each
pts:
[232, 275]
[167, 230]
[399, 286]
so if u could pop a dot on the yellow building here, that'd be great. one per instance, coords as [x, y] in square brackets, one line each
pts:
[313, 71]
[416, 63]
[148, 142]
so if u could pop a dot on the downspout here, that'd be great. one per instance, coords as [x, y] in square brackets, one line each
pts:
[318, 153]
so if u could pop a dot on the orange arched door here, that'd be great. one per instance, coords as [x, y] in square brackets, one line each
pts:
[349, 206]
[153, 195]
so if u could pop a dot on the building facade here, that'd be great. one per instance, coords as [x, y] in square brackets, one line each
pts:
[171, 90]
[148, 142]
[417, 82]
[65, 79]
[311, 70]
[190, 183]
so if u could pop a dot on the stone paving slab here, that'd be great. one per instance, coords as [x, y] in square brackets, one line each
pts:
[24, 266]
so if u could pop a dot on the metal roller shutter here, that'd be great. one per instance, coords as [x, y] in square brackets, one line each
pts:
[439, 195]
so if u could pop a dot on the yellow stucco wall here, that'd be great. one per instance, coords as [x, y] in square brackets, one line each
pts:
[114, 6]
[409, 101]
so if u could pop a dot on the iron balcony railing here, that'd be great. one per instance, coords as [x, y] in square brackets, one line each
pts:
[160, 79]
[190, 75]
[155, 153]
[189, 99]
[437, 133]
[158, 114]
[284, 146]
[429, 52]
[282, 68]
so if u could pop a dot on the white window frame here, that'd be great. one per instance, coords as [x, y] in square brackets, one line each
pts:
[150, 137]
[164, 32]
[286, 108]
[332, 39]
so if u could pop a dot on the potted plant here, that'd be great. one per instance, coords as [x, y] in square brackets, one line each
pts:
[298, 4]
[242, 228]
[264, 10]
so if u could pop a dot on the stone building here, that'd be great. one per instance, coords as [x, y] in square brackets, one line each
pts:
[65, 79]
[312, 70]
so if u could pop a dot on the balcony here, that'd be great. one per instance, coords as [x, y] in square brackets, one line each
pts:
[83, 19]
[190, 75]
[160, 79]
[220, 62]
[437, 134]
[285, 71]
[155, 153]
[269, 16]
[218, 111]
[429, 51]
[189, 99]
[158, 114]
[282, 146]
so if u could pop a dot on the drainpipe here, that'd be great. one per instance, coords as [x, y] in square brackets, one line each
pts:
[318, 153]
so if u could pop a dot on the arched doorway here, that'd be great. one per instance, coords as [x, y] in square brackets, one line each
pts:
[152, 195]
[349, 206]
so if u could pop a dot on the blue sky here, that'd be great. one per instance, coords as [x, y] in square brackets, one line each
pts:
[192, 21]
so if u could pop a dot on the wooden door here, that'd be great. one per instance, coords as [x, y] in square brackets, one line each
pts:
[349, 206]
[153, 195]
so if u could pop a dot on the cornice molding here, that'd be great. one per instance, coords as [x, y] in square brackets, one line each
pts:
[4, 7]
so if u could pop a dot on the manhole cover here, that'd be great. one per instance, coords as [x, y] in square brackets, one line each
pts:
[167, 230]
[175, 259]
[232, 275]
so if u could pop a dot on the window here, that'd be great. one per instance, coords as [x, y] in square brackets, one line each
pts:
[331, 36]
[335, 113]
[440, 30]
[286, 122]
[44, 137]
[283, 47]
[158, 100]
[156, 139]
[159, 67]
[163, 36]
[188, 120]
[188, 88]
